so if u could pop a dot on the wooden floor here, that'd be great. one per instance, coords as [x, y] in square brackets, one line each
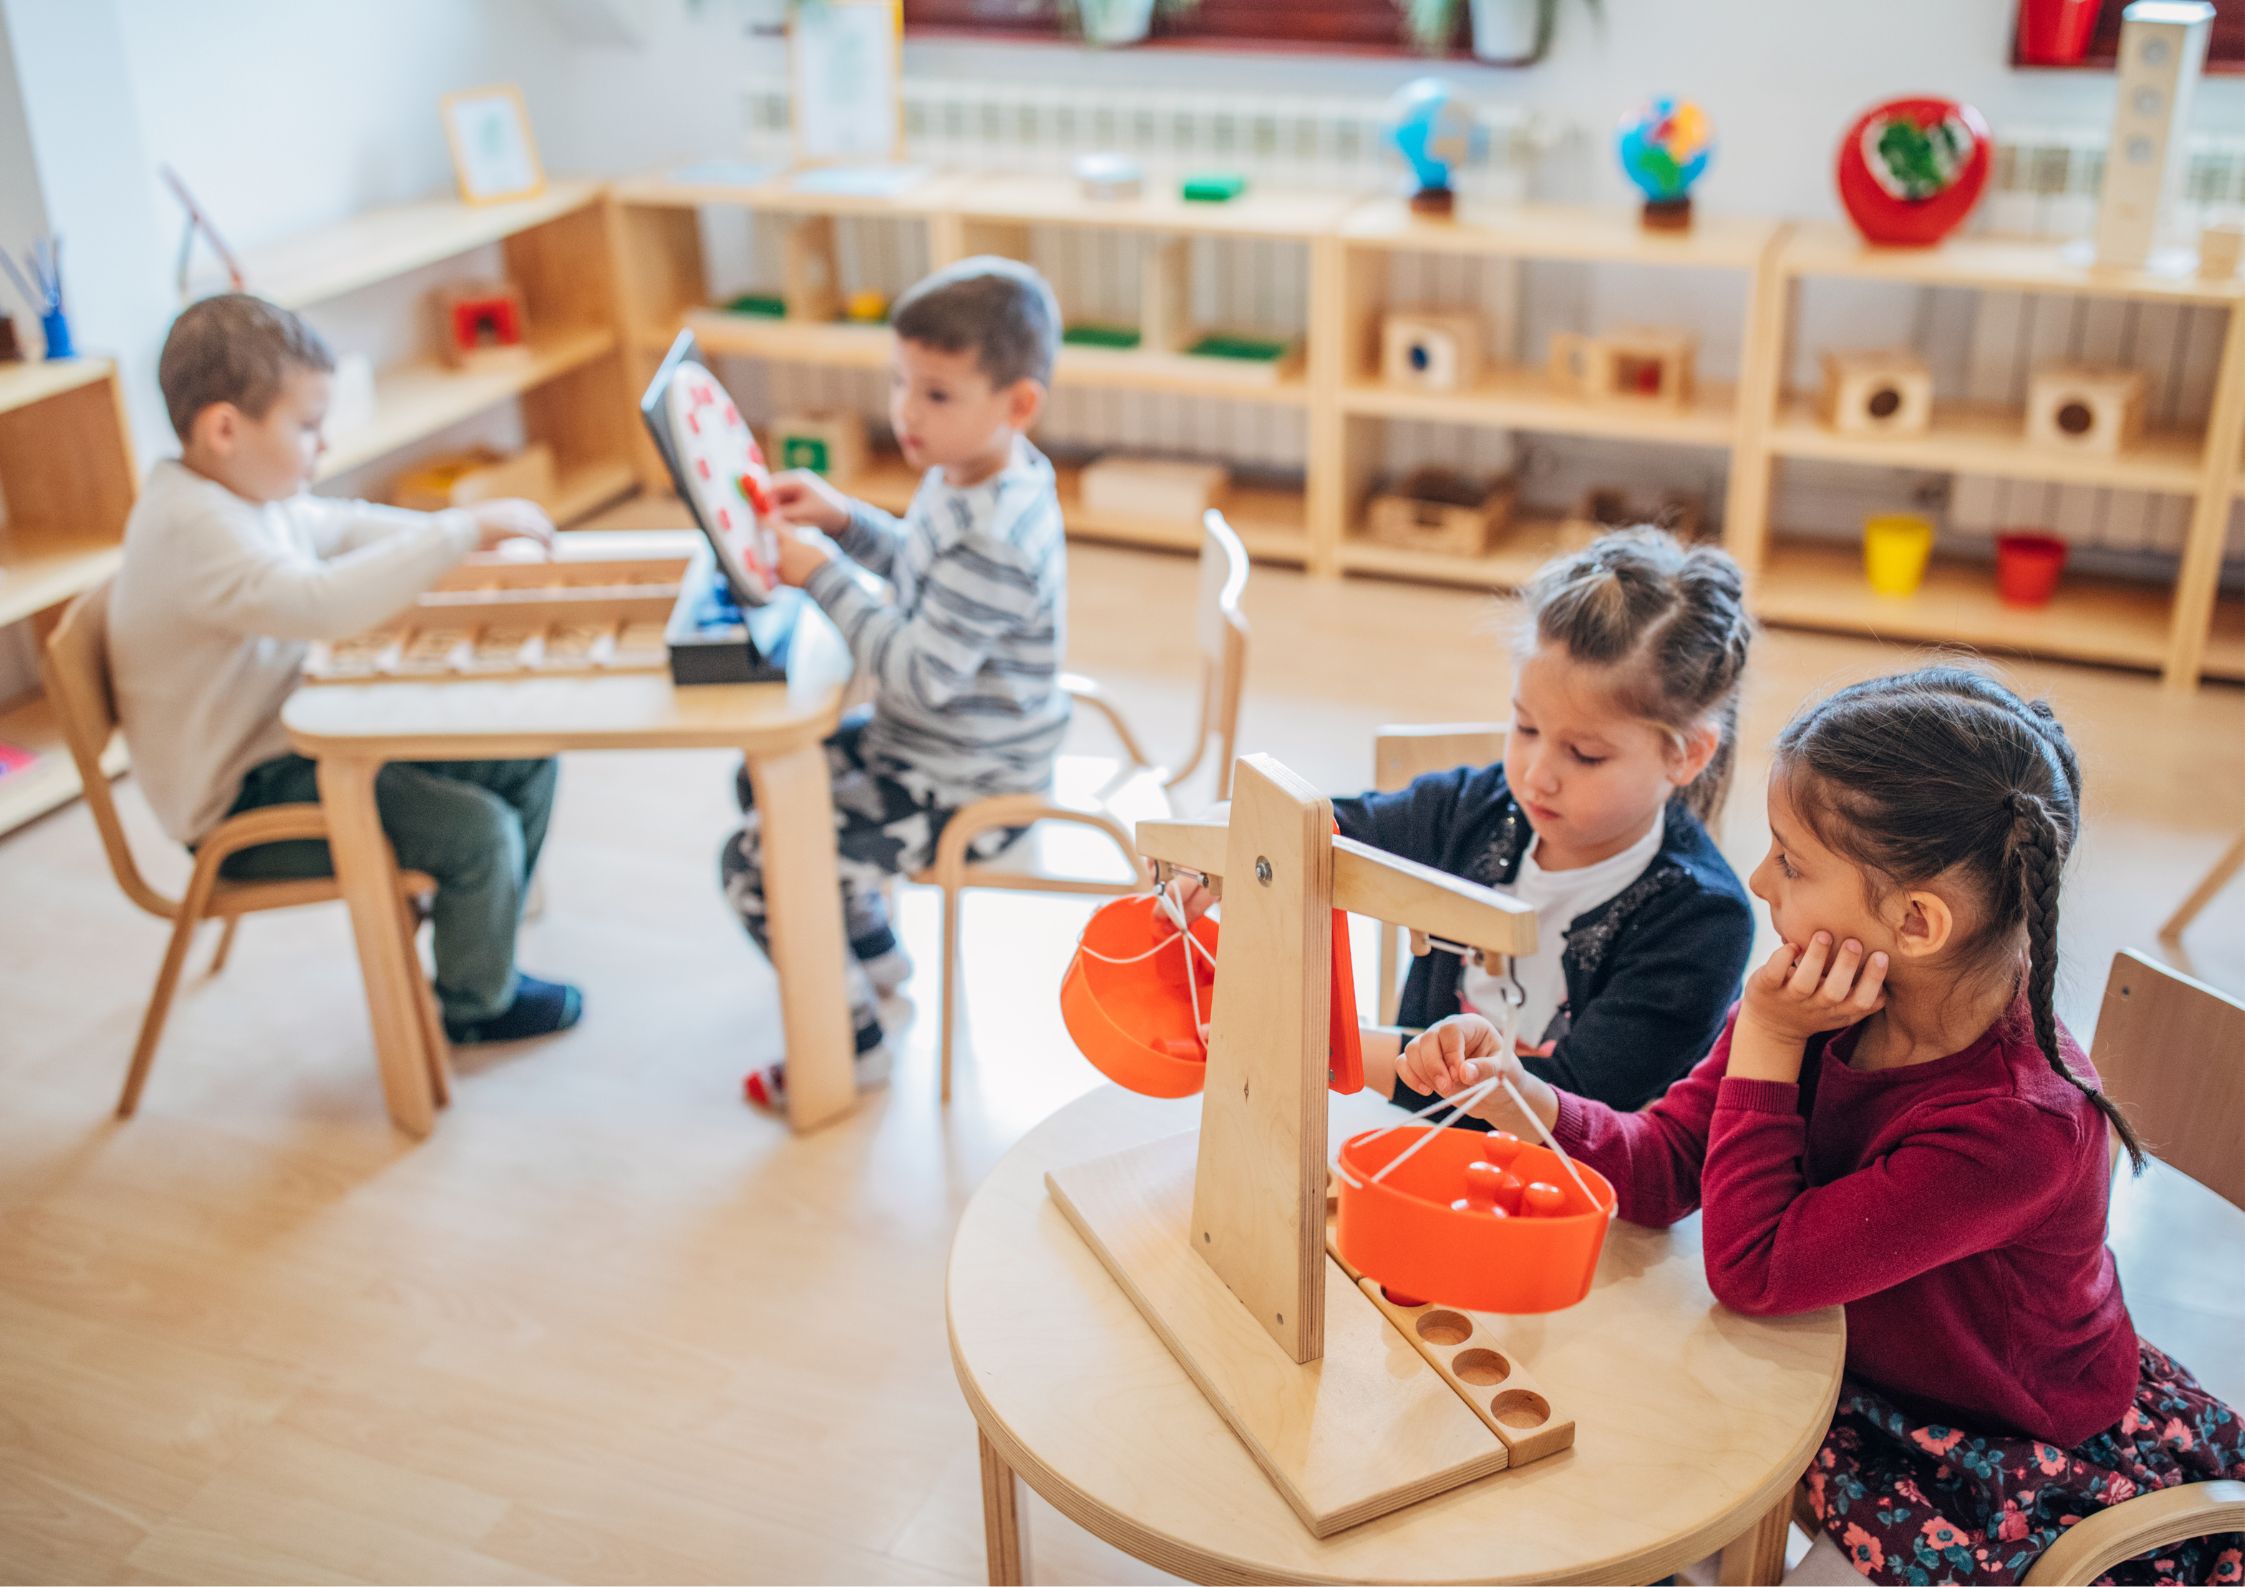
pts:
[610, 1324]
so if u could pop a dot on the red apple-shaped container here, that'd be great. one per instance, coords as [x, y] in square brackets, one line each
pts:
[1134, 1018]
[1408, 1233]
[1910, 170]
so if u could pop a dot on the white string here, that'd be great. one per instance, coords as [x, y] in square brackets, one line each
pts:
[1439, 1104]
[1192, 943]
[1549, 1140]
[1459, 1104]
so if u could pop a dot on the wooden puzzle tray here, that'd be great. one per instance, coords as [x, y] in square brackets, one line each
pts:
[504, 619]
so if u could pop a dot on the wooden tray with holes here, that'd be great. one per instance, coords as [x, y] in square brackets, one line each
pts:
[506, 619]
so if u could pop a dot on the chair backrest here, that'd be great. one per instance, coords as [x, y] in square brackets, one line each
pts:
[1401, 755]
[1220, 634]
[2171, 1052]
[75, 668]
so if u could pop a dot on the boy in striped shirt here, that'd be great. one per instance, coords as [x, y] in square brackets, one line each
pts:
[963, 645]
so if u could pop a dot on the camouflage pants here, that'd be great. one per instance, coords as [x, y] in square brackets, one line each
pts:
[884, 826]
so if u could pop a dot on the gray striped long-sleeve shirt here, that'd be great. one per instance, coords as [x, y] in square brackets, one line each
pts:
[965, 656]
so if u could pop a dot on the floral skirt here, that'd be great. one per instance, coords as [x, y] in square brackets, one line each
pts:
[1913, 1501]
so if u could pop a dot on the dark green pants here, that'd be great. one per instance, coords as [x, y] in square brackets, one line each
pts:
[474, 825]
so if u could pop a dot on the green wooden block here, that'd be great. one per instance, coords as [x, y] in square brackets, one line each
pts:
[1249, 349]
[764, 305]
[805, 451]
[1213, 187]
[1089, 335]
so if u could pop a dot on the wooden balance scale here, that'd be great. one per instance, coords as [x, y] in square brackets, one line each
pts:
[1355, 1404]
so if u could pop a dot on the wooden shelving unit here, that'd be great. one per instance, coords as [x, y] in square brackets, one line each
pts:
[67, 474]
[572, 380]
[2183, 629]
[2170, 629]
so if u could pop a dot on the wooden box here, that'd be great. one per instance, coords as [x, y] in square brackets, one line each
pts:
[1627, 365]
[2086, 408]
[484, 322]
[1431, 350]
[504, 618]
[828, 444]
[1606, 508]
[1150, 487]
[1881, 391]
[1436, 510]
[481, 475]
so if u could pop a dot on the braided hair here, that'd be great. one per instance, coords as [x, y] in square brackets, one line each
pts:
[1670, 620]
[1944, 771]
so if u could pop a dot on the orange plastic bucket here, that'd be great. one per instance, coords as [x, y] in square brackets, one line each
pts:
[1403, 1232]
[1134, 1021]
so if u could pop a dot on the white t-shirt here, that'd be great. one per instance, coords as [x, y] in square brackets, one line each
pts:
[1559, 898]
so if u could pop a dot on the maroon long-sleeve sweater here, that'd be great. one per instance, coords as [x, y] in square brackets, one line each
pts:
[1956, 1208]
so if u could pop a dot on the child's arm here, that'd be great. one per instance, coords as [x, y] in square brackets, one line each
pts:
[236, 580]
[339, 526]
[867, 535]
[1409, 822]
[1653, 1157]
[1663, 1007]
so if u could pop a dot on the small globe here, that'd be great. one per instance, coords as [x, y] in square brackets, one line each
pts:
[1664, 146]
[1433, 130]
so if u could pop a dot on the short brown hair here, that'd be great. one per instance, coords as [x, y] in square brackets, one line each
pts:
[234, 348]
[999, 309]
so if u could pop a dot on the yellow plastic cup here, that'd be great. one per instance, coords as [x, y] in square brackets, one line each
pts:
[1896, 546]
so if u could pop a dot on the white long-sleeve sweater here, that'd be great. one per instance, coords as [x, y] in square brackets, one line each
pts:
[213, 607]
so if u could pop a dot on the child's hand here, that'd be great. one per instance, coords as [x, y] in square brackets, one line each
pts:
[1461, 1052]
[801, 498]
[1791, 1000]
[511, 518]
[802, 554]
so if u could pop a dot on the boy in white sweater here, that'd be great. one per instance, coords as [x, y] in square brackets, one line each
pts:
[230, 568]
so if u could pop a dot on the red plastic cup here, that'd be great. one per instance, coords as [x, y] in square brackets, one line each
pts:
[2027, 568]
[2056, 32]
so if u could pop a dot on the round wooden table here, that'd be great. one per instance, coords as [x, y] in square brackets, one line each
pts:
[1693, 1422]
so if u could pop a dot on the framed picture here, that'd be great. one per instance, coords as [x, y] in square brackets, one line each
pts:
[845, 81]
[493, 155]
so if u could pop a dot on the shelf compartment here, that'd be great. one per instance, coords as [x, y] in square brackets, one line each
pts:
[373, 248]
[1987, 438]
[585, 489]
[416, 400]
[2018, 264]
[1560, 231]
[1528, 543]
[1270, 520]
[1810, 585]
[1274, 212]
[52, 780]
[2225, 644]
[1516, 398]
[40, 568]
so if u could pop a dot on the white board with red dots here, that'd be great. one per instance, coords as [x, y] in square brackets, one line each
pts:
[723, 471]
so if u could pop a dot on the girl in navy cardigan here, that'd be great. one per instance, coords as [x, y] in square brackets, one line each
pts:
[1624, 716]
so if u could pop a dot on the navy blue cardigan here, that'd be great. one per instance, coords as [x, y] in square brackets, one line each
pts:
[1650, 973]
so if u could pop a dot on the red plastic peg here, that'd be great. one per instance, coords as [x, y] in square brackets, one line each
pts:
[1491, 1211]
[1500, 1148]
[1541, 1200]
[1484, 1186]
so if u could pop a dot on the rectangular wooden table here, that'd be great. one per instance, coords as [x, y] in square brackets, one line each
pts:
[354, 729]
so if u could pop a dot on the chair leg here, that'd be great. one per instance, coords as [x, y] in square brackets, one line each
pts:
[190, 915]
[433, 1040]
[225, 944]
[946, 993]
[2232, 860]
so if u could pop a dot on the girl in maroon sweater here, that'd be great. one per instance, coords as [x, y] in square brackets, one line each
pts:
[1895, 1121]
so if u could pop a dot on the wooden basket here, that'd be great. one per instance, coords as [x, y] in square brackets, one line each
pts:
[1433, 509]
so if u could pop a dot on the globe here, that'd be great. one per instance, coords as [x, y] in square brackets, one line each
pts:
[1665, 144]
[1434, 131]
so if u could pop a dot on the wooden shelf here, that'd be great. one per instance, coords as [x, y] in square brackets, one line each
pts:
[842, 346]
[2225, 646]
[586, 489]
[415, 400]
[26, 383]
[1527, 399]
[1270, 522]
[1058, 201]
[786, 193]
[374, 247]
[1560, 231]
[1981, 438]
[2091, 619]
[1527, 545]
[43, 568]
[2018, 264]
[52, 780]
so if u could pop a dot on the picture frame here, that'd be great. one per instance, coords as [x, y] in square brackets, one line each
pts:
[494, 156]
[845, 81]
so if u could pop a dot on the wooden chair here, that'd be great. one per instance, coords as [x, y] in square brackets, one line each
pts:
[1099, 795]
[2171, 1051]
[2218, 877]
[1401, 755]
[75, 665]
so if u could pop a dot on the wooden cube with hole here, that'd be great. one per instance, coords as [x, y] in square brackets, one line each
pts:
[2086, 408]
[1152, 487]
[829, 444]
[484, 322]
[1432, 350]
[1436, 509]
[1876, 391]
